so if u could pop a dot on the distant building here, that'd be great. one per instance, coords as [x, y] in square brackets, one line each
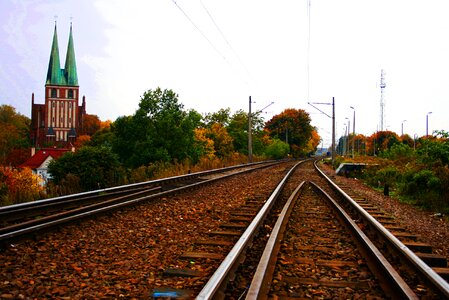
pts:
[58, 122]
[38, 163]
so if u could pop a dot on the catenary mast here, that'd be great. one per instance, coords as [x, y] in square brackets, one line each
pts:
[382, 100]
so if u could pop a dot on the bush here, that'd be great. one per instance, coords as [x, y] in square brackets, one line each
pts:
[422, 186]
[95, 167]
[398, 152]
[277, 149]
[19, 185]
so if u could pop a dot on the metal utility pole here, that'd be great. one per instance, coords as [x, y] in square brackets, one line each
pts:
[250, 136]
[347, 134]
[353, 132]
[333, 131]
[333, 123]
[250, 126]
[382, 99]
[427, 123]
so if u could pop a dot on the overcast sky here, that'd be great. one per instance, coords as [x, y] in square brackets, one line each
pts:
[215, 54]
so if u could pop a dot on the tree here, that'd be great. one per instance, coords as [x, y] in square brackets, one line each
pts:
[14, 132]
[204, 143]
[435, 151]
[91, 124]
[81, 141]
[160, 130]
[292, 126]
[381, 141]
[222, 140]
[17, 186]
[313, 142]
[277, 149]
[223, 116]
[95, 167]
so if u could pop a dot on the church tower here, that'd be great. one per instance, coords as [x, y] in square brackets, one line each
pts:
[60, 119]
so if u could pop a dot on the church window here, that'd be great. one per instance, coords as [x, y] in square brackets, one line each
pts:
[53, 93]
[71, 94]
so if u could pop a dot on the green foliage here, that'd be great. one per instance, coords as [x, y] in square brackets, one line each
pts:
[222, 117]
[102, 138]
[95, 167]
[160, 130]
[423, 186]
[420, 177]
[277, 149]
[435, 151]
[379, 176]
[238, 130]
[398, 152]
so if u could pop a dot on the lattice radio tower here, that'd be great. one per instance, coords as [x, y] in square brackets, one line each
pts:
[382, 99]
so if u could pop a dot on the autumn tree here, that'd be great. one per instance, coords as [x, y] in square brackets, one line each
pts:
[14, 134]
[293, 127]
[81, 141]
[381, 141]
[91, 124]
[205, 144]
[17, 186]
[222, 141]
[313, 142]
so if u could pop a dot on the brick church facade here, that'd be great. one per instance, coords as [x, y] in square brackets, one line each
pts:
[58, 121]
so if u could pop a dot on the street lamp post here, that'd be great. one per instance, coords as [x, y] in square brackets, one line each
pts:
[427, 123]
[353, 132]
[402, 127]
[347, 144]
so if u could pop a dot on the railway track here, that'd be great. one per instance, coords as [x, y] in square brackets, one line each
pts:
[31, 218]
[312, 254]
[217, 255]
[321, 267]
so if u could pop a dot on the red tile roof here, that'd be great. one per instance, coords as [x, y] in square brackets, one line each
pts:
[36, 160]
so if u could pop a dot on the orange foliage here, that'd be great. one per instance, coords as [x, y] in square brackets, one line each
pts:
[91, 124]
[314, 141]
[18, 156]
[207, 143]
[19, 185]
[222, 140]
[105, 124]
[81, 141]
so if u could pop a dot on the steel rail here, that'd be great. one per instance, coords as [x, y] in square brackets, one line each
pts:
[218, 280]
[125, 188]
[437, 282]
[74, 215]
[262, 277]
[260, 282]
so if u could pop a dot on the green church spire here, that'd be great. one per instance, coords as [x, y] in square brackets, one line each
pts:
[54, 67]
[70, 63]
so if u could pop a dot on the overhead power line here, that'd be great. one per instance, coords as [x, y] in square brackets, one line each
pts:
[224, 38]
[199, 30]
